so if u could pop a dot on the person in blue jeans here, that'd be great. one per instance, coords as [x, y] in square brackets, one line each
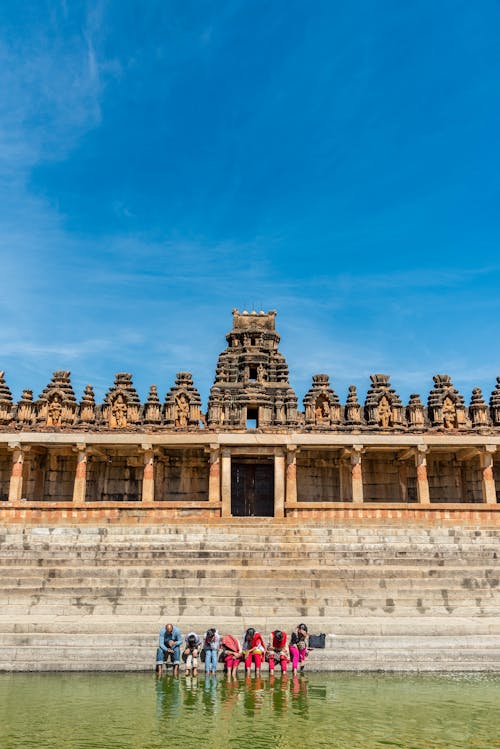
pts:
[169, 646]
[211, 645]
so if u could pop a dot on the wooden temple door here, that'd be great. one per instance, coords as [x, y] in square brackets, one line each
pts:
[252, 489]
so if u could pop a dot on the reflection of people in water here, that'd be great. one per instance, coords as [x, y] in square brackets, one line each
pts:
[254, 695]
[279, 695]
[209, 696]
[298, 690]
[168, 699]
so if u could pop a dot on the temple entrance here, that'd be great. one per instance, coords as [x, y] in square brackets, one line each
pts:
[252, 489]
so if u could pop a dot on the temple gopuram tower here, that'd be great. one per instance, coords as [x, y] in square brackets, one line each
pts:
[251, 388]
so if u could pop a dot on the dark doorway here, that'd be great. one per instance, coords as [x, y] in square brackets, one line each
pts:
[252, 489]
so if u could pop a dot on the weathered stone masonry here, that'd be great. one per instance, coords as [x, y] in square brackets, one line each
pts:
[253, 452]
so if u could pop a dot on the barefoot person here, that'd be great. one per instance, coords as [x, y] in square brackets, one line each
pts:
[232, 655]
[254, 650]
[190, 654]
[298, 648]
[169, 647]
[278, 651]
[211, 646]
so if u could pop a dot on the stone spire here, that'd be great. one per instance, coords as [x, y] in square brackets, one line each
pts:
[251, 378]
[26, 408]
[478, 410]
[152, 408]
[5, 401]
[415, 413]
[383, 406]
[352, 408]
[183, 403]
[446, 406]
[56, 406]
[495, 404]
[321, 403]
[87, 406]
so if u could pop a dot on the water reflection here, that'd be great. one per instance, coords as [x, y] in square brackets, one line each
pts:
[90, 711]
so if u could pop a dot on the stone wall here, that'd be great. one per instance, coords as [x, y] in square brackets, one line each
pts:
[181, 475]
[318, 476]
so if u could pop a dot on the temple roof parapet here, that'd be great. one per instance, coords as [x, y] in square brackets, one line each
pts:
[251, 391]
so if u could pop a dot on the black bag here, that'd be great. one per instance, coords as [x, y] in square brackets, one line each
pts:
[203, 655]
[317, 641]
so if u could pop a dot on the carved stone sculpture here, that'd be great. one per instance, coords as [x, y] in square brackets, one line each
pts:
[478, 410]
[495, 404]
[54, 411]
[121, 407]
[415, 413]
[383, 406]
[321, 403]
[446, 405]
[352, 408]
[56, 406]
[26, 408]
[183, 403]
[87, 406]
[252, 377]
[118, 412]
[152, 409]
[6, 403]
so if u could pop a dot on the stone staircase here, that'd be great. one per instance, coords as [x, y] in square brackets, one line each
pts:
[389, 597]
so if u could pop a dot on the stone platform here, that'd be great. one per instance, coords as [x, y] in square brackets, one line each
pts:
[389, 597]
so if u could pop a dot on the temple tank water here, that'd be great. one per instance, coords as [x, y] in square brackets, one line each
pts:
[123, 711]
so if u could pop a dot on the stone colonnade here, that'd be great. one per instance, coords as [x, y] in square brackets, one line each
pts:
[354, 462]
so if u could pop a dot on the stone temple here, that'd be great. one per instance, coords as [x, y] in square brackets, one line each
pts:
[365, 515]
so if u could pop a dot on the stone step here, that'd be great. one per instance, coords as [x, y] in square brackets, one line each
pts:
[387, 555]
[219, 607]
[71, 571]
[375, 625]
[347, 653]
[251, 527]
[285, 589]
[338, 645]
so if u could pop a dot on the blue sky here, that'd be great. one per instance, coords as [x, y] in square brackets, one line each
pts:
[164, 162]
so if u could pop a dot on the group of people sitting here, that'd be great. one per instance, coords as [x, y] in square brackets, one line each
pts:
[212, 649]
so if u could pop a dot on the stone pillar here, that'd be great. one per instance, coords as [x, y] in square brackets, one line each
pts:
[488, 479]
[422, 482]
[356, 474]
[80, 485]
[214, 494]
[226, 482]
[148, 477]
[279, 483]
[16, 476]
[291, 475]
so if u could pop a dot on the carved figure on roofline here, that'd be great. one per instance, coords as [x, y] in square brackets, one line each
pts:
[322, 405]
[54, 412]
[118, 414]
[383, 406]
[446, 406]
[384, 413]
[183, 403]
[181, 410]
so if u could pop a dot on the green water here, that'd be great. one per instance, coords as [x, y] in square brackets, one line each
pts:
[134, 711]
